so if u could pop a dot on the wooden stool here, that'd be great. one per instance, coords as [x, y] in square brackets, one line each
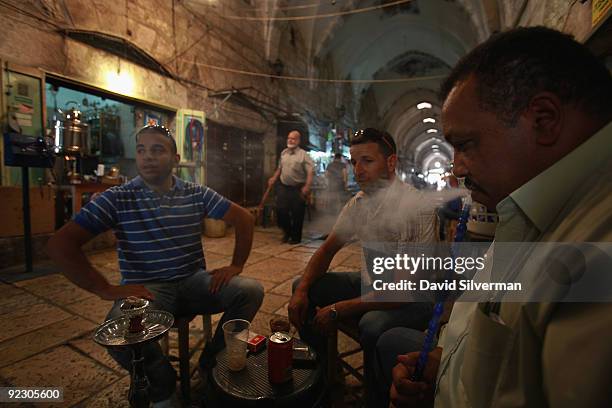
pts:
[181, 323]
[336, 358]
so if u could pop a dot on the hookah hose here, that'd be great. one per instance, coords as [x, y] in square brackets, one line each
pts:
[434, 323]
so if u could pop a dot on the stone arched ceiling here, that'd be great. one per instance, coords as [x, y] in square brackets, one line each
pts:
[415, 41]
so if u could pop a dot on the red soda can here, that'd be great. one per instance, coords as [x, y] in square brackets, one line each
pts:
[280, 357]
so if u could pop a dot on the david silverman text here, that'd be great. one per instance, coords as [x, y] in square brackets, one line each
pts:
[462, 285]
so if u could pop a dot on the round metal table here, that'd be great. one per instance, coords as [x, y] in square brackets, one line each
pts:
[250, 387]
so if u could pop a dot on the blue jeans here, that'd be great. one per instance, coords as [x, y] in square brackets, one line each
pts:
[337, 286]
[399, 340]
[239, 299]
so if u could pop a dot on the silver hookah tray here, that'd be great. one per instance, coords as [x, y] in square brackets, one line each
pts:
[115, 332]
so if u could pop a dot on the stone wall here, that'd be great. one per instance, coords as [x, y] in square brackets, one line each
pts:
[192, 39]
[569, 16]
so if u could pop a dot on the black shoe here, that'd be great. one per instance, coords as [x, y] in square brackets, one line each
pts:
[285, 239]
[294, 241]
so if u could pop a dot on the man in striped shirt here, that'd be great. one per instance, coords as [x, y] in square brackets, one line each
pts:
[157, 220]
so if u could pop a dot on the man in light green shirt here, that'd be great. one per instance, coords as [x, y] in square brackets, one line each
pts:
[528, 113]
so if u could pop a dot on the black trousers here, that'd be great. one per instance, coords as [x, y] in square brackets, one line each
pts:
[290, 209]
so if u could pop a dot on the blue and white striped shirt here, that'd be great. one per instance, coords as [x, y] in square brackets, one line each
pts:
[158, 237]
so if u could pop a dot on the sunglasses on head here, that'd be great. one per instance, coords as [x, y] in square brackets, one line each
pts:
[162, 130]
[370, 133]
[157, 128]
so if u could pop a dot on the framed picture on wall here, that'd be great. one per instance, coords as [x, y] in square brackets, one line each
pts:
[151, 119]
[190, 140]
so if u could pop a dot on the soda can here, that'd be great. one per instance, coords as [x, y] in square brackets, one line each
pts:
[280, 357]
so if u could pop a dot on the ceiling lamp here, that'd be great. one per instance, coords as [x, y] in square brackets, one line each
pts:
[424, 105]
[432, 130]
[429, 120]
[434, 146]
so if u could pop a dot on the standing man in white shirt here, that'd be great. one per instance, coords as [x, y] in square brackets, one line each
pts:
[295, 171]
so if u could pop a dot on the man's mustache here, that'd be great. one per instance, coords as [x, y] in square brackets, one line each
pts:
[471, 185]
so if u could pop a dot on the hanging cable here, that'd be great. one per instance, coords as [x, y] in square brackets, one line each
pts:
[281, 8]
[28, 14]
[312, 79]
[189, 47]
[317, 16]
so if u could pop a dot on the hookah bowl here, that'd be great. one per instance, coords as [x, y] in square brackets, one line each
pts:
[136, 326]
[134, 309]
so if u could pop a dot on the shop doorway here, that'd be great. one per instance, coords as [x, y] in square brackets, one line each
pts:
[234, 163]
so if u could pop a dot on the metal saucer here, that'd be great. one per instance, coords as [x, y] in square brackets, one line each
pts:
[114, 332]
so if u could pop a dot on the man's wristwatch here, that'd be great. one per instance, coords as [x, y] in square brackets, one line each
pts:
[334, 312]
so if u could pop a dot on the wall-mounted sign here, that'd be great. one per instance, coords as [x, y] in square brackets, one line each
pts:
[600, 9]
[190, 127]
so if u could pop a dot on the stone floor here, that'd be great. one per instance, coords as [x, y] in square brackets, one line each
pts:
[47, 322]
